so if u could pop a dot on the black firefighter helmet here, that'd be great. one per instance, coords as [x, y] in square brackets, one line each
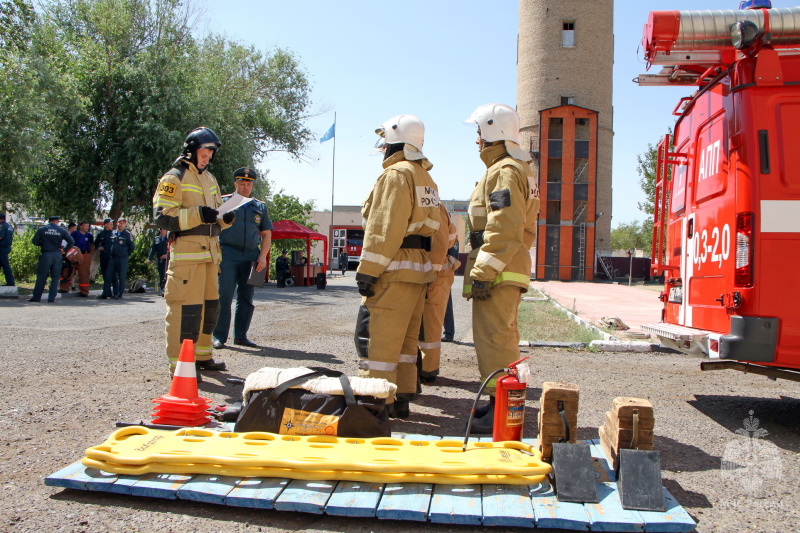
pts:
[201, 137]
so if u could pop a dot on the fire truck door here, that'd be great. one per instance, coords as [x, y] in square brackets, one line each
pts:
[707, 267]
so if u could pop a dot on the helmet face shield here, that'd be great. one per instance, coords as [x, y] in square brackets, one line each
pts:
[380, 145]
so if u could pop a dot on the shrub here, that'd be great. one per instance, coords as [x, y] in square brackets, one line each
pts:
[24, 256]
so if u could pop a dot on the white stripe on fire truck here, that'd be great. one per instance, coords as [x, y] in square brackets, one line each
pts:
[780, 216]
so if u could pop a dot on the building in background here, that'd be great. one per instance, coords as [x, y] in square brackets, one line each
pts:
[565, 57]
[347, 232]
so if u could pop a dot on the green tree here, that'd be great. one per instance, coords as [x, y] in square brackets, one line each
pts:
[647, 168]
[127, 81]
[633, 235]
[287, 207]
[23, 114]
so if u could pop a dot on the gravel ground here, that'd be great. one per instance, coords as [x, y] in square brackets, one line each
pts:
[73, 368]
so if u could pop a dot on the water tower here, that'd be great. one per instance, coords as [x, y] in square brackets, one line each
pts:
[565, 56]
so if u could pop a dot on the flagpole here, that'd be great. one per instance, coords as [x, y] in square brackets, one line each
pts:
[333, 181]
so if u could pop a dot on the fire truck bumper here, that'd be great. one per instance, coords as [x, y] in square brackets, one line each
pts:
[752, 338]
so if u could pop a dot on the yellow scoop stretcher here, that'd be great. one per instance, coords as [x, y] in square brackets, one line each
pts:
[138, 450]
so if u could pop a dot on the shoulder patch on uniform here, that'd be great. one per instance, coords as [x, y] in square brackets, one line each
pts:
[166, 188]
[500, 199]
[427, 196]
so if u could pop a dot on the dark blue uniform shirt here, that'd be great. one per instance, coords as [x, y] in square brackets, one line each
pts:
[122, 244]
[49, 238]
[245, 233]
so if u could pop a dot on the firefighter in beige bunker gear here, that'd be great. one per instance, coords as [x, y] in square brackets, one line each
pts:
[400, 215]
[503, 211]
[185, 204]
[430, 339]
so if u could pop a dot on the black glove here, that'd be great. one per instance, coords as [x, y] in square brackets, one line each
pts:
[480, 290]
[365, 289]
[228, 217]
[208, 215]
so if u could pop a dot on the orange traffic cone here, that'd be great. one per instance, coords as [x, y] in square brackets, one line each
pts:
[183, 406]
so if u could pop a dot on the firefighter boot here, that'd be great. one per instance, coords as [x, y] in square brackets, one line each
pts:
[210, 365]
[483, 425]
[482, 411]
[399, 409]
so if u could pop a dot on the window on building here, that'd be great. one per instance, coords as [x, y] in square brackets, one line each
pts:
[556, 128]
[567, 100]
[582, 128]
[553, 213]
[568, 34]
[554, 169]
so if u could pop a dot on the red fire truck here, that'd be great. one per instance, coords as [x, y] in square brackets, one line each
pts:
[350, 238]
[727, 205]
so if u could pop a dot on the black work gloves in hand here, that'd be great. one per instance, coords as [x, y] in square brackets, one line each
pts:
[228, 217]
[480, 290]
[208, 215]
[365, 289]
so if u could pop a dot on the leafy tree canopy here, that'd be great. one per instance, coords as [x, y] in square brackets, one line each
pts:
[125, 81]
[633, 235]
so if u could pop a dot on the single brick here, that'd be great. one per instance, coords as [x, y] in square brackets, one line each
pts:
[552, 390]
[623, 407]
[627, 423]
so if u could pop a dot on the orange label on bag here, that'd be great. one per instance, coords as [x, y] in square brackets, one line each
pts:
[296, 422]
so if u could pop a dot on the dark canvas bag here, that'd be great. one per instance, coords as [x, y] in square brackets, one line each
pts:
[298, 411]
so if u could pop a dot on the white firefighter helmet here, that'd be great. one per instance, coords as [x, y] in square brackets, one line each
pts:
[498, 122]
[406, 129]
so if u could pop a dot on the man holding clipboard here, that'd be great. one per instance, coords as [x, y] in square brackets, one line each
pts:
[244, 253]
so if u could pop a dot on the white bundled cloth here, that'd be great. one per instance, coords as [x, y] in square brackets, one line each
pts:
[269, 378]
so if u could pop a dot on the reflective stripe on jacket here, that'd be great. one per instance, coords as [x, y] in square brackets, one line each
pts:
[177, 202]
[505, 206]
[403, 202]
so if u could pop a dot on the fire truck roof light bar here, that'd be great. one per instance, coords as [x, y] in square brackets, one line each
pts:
[669, 31]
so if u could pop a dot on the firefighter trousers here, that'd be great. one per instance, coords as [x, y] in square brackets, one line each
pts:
[495, 332]
[192, 300]
[387, 333]
[430, 338]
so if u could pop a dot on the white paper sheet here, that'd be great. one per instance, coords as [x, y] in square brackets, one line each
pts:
[235, 201]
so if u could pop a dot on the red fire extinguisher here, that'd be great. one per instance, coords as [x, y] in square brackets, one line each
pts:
[509, 406]
[509, 403]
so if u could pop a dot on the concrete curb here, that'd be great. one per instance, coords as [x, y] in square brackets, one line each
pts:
[610, 343]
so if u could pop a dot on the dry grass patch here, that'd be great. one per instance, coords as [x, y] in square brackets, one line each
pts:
[543, 321]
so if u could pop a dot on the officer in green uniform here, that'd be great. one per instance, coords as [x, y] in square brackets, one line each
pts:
[246, 241]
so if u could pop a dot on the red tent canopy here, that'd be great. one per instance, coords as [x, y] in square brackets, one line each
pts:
[288, 229]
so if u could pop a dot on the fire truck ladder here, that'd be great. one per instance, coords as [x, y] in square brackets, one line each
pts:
[582, 252]
[663, 192]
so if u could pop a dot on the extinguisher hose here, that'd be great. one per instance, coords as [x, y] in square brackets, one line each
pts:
[475, 404]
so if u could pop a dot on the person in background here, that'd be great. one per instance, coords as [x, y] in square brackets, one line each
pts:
[6, 238]
[116, 275]
[69, 264]
[49, 238]
[430, 335]
[103, 242]
[343, 261]
[282, 269]
[84, 241]
[449, 318]
[159, 252]
[245, 242]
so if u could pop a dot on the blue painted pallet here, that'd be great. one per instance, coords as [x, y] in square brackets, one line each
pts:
[487, 505]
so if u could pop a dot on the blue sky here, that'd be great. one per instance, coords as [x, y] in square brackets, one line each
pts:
[439, 60]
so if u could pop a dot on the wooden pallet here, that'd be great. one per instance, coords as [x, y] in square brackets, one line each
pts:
[487, 505]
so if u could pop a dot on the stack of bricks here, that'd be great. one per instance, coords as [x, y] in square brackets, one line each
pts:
[617, 432]
[551, 426]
